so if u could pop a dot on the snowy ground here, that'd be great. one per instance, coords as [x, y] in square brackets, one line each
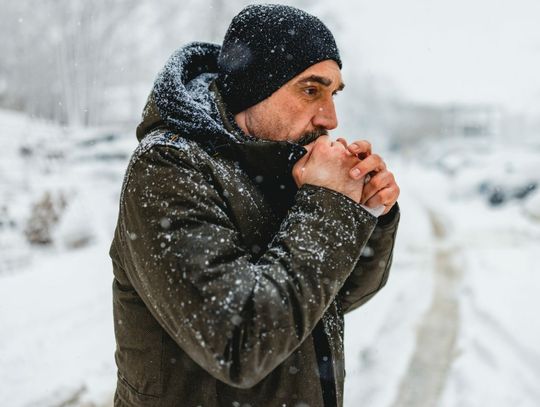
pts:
[455, 325]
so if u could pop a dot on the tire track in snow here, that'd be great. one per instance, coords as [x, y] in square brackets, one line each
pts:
[425, 378]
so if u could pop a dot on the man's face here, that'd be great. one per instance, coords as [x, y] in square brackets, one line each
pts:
[299, 111]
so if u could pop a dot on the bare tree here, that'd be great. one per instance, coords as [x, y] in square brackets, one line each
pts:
[65, 54]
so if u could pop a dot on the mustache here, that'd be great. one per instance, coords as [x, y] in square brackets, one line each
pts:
[312, 136]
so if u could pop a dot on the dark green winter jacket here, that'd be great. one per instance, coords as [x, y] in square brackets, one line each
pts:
[230, 284]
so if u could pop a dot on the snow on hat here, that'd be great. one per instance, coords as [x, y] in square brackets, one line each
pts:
[265, 46]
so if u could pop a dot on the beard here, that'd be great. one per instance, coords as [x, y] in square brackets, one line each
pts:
[262, 127]
[312, 136]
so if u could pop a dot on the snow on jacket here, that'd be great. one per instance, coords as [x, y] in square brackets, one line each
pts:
[230, 282]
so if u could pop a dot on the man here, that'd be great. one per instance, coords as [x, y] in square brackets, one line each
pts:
[239, 241]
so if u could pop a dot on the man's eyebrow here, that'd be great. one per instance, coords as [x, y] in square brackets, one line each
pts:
[322, 80]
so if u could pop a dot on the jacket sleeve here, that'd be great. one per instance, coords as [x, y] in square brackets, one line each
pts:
[371, 272]
[236, 317]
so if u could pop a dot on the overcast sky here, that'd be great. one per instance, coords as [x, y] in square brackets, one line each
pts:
[449, 50]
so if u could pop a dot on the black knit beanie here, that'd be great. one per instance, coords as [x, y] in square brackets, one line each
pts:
[265, 46]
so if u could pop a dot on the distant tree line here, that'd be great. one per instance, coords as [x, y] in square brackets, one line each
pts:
[73, 61]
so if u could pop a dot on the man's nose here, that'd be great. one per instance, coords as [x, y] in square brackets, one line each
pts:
[325, 116]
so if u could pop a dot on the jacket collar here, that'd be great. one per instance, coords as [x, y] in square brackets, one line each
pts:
[272, 160]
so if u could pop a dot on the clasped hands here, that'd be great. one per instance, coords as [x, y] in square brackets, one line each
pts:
[350, 169]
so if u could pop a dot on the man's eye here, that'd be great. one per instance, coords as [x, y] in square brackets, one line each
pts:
[310, 91]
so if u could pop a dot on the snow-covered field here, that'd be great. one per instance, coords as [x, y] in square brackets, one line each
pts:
[456, 324]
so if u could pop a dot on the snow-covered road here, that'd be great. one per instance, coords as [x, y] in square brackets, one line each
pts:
[426, 375]
[472, 335]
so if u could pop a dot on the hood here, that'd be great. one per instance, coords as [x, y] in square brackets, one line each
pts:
[180, 99]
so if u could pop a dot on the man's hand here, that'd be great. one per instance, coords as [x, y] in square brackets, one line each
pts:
[327, 164]
[381, 187]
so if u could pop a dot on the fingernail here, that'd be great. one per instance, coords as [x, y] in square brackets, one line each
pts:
[356, 173]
